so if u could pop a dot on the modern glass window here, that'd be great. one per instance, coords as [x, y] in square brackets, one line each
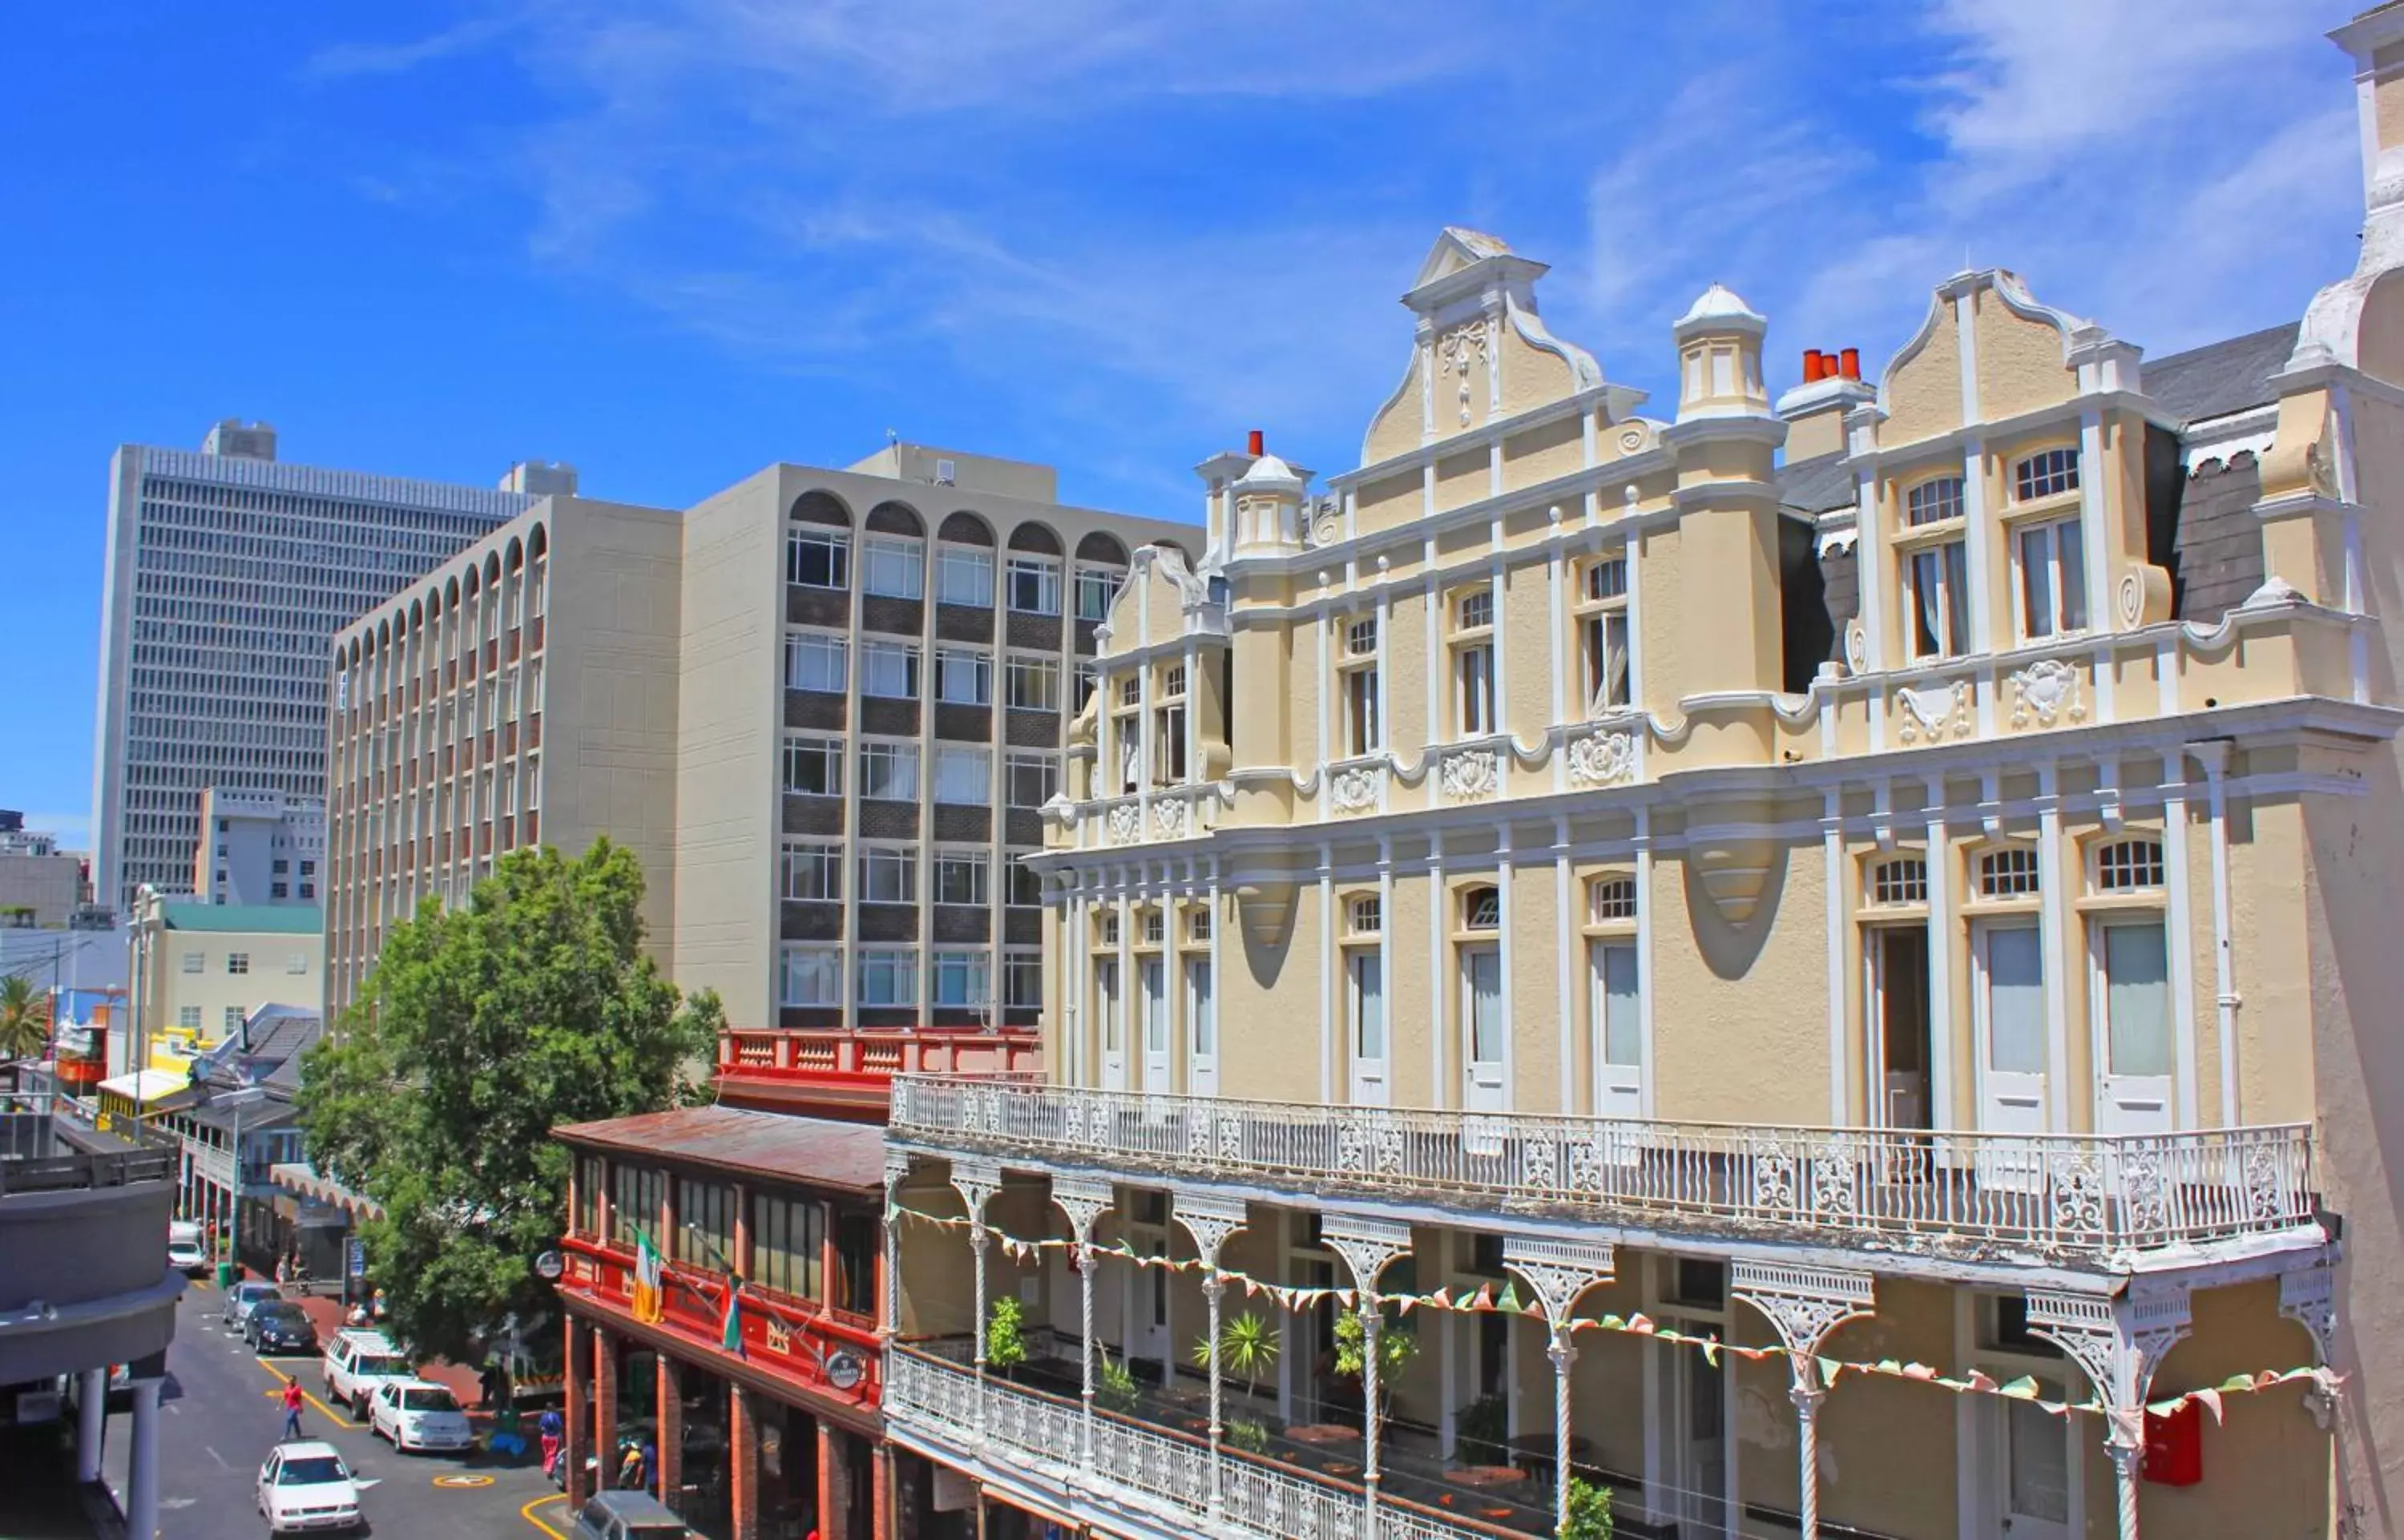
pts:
[2052, 559]
[817, 558]
[891, 567]
[1031, 682]
[888, 670]
[237, 962]
[811, 975]
[1022, 979]
[889, 976]
[2134, 956]
[1089, 679]
[1201, 1008]
[964, 577]
[705, 1224]
[1024, 885]
[1473, 689]
[1095, 587]
[787, 1238]
[1031, 779]
[888, 873]
[1936, 596]
[1034, 586]
[963, 675]
[815, 662]
[1615, 1003]
[963, 979]
[2045, 474]
[961, 876]
[814, 767]
[963, 775]
[1365, 985]
[813, 869]
[889, 770]
[1934, 502]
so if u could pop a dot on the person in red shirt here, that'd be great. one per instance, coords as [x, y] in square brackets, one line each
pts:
[291, 1408]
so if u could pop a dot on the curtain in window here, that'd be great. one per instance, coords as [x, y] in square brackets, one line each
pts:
[2137, 999]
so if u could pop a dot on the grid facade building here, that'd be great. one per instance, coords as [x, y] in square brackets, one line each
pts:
[227, 575]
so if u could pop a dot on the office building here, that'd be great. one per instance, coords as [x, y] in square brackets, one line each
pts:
[259, 848]
[1849, 992]
[823, 707]
[41, 886]
[227, 575]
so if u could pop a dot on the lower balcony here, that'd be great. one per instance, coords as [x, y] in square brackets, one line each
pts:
[837, 1069]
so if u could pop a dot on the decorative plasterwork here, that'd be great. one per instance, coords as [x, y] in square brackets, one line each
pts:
[1366, 1245]
[1559, 1271]
[1803, 1304]
[1933, 710]
[1355, 788]
[1471, 342]
[2309, 1299]
[1210, 1221]
[977, 1181]
[1172, 818]
[2046, 690]
[1083, 1200]
[2118, 1343]
[1473, 775]
[1126, 823]
[1603, 758]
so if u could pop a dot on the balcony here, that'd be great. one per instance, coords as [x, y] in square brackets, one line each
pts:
[2080, 1200]
[842, 1071]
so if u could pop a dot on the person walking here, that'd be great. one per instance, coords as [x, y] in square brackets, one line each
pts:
[291, 1409]
[553, 1428]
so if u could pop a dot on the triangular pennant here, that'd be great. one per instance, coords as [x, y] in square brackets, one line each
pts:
[1611, 1323]
[2211, 1400]
[1510, 1296]
[1918, 1371]
[1829, 1369]
[1637, 1322]
[1403, 1303]
[1711, 1352]
[1978, 1381]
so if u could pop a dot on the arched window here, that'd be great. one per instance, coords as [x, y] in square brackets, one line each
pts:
[1611, 898]
[1481, 909]
[1899, 879]
[1366, 916]
[2008, 872]
[2045, 474]
[2129, 865]
[1931, 501]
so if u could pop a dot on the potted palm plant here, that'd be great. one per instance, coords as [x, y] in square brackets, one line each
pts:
[1246, 1349]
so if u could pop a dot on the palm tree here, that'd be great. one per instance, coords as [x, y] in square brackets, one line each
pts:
[24, 1018]
[1248, 1348]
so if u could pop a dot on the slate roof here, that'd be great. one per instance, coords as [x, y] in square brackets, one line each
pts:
[813, 1151]
[2222, 377]
[1817, 485]
[267, 1051]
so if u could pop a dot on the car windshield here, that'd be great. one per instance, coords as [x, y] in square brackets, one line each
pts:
[276, 1312]
[657, 1529]
[256, 1292]
[311, 1471]
[428, 1400]
[387, 1365]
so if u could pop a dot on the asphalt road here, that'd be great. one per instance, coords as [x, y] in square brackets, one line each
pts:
[220, 1417]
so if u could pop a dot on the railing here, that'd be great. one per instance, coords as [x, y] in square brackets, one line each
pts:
[862, 1063]
[2056, 1195]
[1161, 1473]
[49, 1144]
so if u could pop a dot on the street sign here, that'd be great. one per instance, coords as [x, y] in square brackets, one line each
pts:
[549, 1265]
[357, 1258]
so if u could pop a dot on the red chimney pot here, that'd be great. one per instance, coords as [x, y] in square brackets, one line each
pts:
[1851, 358]
[1257, 447]
[1810, 364]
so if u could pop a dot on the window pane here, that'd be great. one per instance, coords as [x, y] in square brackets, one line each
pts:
[1368, 1005]
[2040, 1461]
[1205, 1013]
[2137, 998]
[1922, 594]
[2036, 580]
[1106, 1003]
[1622, 1033]
[2073, 542]
[1155, 1007]
[964, 577]
[1482, 967]
[1957, 600]
[2015, 1000]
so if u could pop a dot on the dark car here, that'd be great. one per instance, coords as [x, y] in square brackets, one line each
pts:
[628, 1516]
[279, 1327]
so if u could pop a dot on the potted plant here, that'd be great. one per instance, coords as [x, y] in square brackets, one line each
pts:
[1590, 1516]
[1115, 1386]
[1005, 1335]
[1248, 1436]
[1396, 1347]
[1481, 1431]
[1246, 1348]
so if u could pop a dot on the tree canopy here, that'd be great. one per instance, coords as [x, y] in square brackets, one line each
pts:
[481, 1028]
[24, 1018]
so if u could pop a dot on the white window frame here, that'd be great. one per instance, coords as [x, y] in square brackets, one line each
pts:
[818, 661]
[2064, 591]
[964, 576]
[888, 873]
[809, 975]
[949, 863]
[836, 543]
[1022, 978]
[899, 761]
[896, 968]
[1031, 681]
[963, 775]
[884, 665]
[804, 864]
[892, 566]
[971, 971]
[1097, 587]
[1947, 565]
[963, 675]
[1044, 766]
[829, 751]
[1043, 574]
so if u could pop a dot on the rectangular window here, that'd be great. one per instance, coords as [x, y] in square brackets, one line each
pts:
[817, 558]
[1481, 979]
[891, 568]
[2053, 577]
[1026, 885]
[1095, 587]
[889, 977]
[2014, 969]
[1360, 637]
[296, 964]
[889, 770]
[814, 767]
[279, 866]
[1022, 979]
[1362, 732]
[1032, 683]
[189, 1017]
[1089, 679]
[704, 1235]
[1201, 1010]
[888, 670]
[636, 1195]
[1615, 1003]
[788, 1241]
[1606, 662]
[814, 662]
[278, 889]
[237, 962]
[963, 775]
[811, 977]
[888, 873]
[963, 675]
[1936, 596]
[193, 962]
[1364, 915]
[1034, 586]
[1473, 690]
[1476, 610]
[964, 577]
[1106, 1005]
[1168, 736]
[234, 1014]
[588, 1196]
[961, 877]
[1367, 971]
[1128, 730]
[1031, 779]
[963, 980]
[2137, 996]
[308, 868]
[813, 869]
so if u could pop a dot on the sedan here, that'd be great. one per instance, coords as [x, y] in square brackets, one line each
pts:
[417, 1414]
[280, 1326]
[242, 1298]
[306, 1486]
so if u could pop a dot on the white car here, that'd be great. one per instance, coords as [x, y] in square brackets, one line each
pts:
[306, 1486]
[356, 1362]
[418, 1414]
[187, 1257]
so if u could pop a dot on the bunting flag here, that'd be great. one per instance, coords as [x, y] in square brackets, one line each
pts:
[651, 1285]
[729, 1334]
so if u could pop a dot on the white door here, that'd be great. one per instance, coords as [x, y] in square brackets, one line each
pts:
[2130, 959]
[1111, 1009]
[1618, 1032]
[1201, 1029]
[2036, 1467]
[1698, 1445]
[1155, 974]
[1481, 1021]
[2009, 1018]
[1365, 1009]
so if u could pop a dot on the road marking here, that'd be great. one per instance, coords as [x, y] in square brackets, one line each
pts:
[463, 1481]
[526, 1513]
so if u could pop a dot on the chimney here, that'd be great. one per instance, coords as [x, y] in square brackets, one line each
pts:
[1814, 411]
[1256, 444]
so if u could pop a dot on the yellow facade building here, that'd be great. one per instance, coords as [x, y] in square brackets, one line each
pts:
[1866, 923]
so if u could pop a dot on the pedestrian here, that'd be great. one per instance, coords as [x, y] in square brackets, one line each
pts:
[553, 1428]
[630, 1468]
[650, 1464]
[283, 1273]
[377, 1309]
[291, 1409]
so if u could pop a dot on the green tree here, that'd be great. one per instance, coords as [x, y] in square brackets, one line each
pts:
[24, 1018]
[1397, 1345]
[1005, 1335]
[482, 1029]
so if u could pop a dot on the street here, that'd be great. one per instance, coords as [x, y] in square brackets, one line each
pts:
[220, 1417]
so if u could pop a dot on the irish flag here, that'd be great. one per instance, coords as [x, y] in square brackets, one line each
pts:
[650, 1292]
[730, 1332]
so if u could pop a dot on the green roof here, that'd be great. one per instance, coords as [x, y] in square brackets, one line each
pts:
[284, 919]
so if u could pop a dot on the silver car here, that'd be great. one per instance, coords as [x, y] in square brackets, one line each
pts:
[242, 1298]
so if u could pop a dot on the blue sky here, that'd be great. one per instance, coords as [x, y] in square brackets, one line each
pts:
[674, 240]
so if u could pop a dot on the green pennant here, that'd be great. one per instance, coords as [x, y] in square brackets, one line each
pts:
[1510, 1300]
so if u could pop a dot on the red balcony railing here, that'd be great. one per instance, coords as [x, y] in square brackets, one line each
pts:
[841, 1071]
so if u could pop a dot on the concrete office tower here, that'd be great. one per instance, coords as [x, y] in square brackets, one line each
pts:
[228, 574]
[823, 707]
[259, 848]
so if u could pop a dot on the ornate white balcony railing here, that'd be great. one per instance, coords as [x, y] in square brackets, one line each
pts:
[2062, 1197]
[1134, 1466]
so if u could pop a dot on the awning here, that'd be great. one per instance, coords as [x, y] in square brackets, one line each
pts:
[302, 1178]
[148, 1084]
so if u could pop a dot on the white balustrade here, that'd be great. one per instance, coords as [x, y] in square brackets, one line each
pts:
[2055, 1195]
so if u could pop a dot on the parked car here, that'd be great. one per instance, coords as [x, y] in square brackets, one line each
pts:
[628, 1516]
[185, 1251]
[244, 1297]
[418, 1414]
[356, 1362]
[279, 1325]
[306, 1486]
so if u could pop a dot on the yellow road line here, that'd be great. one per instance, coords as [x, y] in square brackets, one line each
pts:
[526, 1513]
[337, 1417]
